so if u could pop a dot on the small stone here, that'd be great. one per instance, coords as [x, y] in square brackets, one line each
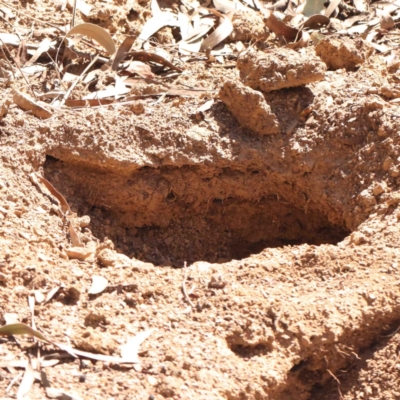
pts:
[84, 221]
[217, 282]
[78, 253]
[387, 163]
[152, 380]
[367, 198]
[379, 188]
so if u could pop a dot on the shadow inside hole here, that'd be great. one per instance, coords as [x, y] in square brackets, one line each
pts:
[170, 215]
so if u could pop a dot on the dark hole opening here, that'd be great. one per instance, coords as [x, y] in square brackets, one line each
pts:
[169, 215]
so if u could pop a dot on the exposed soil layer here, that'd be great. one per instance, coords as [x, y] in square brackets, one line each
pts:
[170, 215]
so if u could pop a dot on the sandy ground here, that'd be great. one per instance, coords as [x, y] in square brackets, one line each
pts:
[283, 203]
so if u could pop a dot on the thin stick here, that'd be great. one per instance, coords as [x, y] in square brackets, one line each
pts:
[184, 285]
[74, 14]
[20, 70]
[78, 80]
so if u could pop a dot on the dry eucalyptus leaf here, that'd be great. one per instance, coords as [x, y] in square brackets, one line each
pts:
[220, 34]
[130, 349]
[45, 45]
[95, 32]
[206, 106]
[141, 69]
[26, 103]
[27, 381]
[99, 284]
[226, 6]
[280, 28]
[155, 23]
[332, 7]
[111, 91]
[122, 50]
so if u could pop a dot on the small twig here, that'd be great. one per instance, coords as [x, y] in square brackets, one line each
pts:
[20, 70]
[184, 285]
[74, 14]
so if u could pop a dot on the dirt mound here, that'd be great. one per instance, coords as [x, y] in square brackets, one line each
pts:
[289, 229]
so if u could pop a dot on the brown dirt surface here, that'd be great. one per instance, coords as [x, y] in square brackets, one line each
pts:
[290, 240]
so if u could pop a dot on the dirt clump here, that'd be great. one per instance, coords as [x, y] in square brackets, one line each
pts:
[249, 108]
[278, 69]
[343, 53]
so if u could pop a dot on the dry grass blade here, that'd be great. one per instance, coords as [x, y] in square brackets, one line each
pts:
[95, 32]
[63, 203]
[99, 284]
[45, 45]
[27, 381]
[220, 34]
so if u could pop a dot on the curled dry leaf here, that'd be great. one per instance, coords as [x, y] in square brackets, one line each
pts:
[99, 284]
[28, 104]
[280, 28]
[95, 32]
